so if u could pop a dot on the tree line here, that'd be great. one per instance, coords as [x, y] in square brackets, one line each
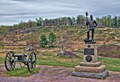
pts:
[105, 21]
[109, 21]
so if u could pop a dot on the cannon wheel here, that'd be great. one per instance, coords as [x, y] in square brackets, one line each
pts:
[32, 62]
[9, 61]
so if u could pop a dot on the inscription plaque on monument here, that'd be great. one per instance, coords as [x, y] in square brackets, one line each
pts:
[88, 51]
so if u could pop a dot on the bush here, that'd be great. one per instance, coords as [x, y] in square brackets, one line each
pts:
[43, 40]
[52, 39]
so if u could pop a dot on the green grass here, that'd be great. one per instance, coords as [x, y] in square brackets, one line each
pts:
[1, 60]
[112, 64]
[21, 72]
[53, 62]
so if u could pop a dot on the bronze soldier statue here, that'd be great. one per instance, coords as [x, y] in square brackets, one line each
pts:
[91, 25]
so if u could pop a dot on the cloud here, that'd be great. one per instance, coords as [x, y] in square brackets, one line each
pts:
[14, 11]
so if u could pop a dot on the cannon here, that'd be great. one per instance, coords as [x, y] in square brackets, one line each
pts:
[28, 59]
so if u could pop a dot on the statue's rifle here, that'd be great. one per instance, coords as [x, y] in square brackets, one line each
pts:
[88, 29]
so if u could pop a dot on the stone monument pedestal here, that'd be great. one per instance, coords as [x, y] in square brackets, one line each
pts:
[90, 67]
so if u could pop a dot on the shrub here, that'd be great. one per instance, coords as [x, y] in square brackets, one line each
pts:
[52, 39]
[43, 40]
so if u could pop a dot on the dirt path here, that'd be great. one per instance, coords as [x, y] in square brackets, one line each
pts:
[55, 74]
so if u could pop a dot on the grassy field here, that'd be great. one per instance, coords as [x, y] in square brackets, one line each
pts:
[21, 72]
[74, 42]
[112, 64]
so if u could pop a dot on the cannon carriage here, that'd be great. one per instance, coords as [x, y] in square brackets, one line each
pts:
[28, 58]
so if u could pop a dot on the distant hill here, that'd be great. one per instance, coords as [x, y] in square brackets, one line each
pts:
[74, 38]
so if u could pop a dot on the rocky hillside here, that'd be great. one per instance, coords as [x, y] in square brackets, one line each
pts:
[74, 38]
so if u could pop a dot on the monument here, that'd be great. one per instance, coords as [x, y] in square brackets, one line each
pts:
[90, 67]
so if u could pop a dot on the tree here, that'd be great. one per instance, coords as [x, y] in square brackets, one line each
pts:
[109, 20]
[43, 40]
[30, 24]
[69, 21]
[52, 38]
[80, 20]
[119, 21]
[73, 21]
[115, 22]
[46, 22]
[39, 22]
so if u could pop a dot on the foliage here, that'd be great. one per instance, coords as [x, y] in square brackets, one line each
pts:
[4, 29]
[80, 20]
[52, 39]
[105, 21]
[39, 21]
[43, 40]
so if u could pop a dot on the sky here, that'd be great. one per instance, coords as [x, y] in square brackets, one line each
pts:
[15, 11]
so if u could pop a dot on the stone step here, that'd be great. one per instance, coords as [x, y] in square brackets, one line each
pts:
[96, 64]
[89, 69]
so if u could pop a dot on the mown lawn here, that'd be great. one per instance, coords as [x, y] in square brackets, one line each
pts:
[21, 72]
[112, 64]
